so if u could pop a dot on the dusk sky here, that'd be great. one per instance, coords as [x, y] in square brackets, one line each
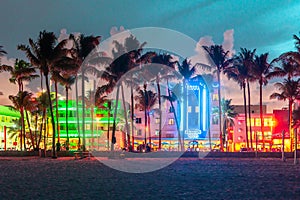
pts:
[267, 26]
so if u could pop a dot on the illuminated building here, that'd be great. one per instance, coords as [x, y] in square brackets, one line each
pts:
[7, 117]
[239, 133]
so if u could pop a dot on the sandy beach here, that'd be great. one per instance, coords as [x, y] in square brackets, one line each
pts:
[187, 178]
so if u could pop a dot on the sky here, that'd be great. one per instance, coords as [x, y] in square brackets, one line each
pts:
[267, 25]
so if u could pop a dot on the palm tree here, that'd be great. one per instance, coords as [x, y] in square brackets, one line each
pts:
[43, 104]
[19, 101]
[22, 71]
[171, 97]
[146, 101]
[30, 106]
[161, 74]
[246, 59]
[112, 74]
[219, 58]
[228, 115]
[83, 46]
[289, 91]
[239, 73]
[187, 72]
[67, 80]
[103, 102]
[261, 72]
[43, 54]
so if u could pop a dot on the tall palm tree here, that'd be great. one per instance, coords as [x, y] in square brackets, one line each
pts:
[239, 73]
[67, 80]
[228, 115]
[261, 72]
[102, 102]
[43, 104]
[289, 91]
[19, 101]
[187, 72]
[219, 58]
[246, 58]
[162, 73]
[146, 101]
[171, 97]
[30, 106]
[112, 75]
[43, 54]
[83, 46]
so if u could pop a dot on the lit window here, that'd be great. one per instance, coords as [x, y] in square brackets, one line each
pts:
[197, 109]
[215, 97]
[156, 120]
[257, 122]
[215, 119]
[190, 109]
[139, 132]
[138, 120]
[156, 132]
[171, 121]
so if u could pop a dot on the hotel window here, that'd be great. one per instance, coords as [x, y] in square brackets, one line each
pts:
[197, 109]
[215, 97]
[156, 120]
[156, 132]
[171, 121]
[257, 122]
[190, 109]
[138, 120]
[139, 132]
[215, 119]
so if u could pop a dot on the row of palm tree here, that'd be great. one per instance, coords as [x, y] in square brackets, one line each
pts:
[65, 66]
[246, 67]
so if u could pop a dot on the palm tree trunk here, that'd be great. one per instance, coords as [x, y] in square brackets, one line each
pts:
[126, 118]
[290, 124]
[180, 145]
[83, 110]
[185, 115]
[132, 116]
[52, 116]
[295, 143]
[261, 115]
[56, 107]
[149, 128]
[245, 109]
[42, 125]
[108, 126]
[67, 117]
[29, 128]
[22, 129]
[249, 114]
[160, 117]
[113, 136]
[220, 111]
[77, 111]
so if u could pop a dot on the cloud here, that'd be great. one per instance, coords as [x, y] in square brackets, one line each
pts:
[228, 42]
[114, 30]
